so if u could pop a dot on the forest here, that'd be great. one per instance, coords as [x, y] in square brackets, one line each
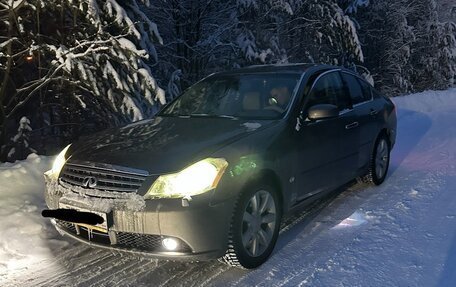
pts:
[69, 68]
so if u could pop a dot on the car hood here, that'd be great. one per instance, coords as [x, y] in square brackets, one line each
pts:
[163, 144]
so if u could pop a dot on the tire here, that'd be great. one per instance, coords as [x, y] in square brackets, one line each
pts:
[246, 253]
[379, 162]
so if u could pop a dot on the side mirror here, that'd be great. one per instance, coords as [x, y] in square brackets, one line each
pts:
[321, 112]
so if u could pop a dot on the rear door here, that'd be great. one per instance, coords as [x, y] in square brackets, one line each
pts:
[349, 136]
[367, 114]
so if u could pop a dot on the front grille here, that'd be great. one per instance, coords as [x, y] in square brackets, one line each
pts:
[84, 232]
[139, 241]
[125, 240]
[69, 226]
[146, 242]
[110, 179]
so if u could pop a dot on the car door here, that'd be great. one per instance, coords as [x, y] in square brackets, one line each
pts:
[366, 113]
[349, 136]
[319, 162]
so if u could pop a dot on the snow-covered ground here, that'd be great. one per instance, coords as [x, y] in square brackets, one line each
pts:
[402, 233]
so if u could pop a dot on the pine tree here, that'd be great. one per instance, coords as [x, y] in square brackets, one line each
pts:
[110, 55]
[208, 36]
[102, 47]
[406, 48]
[388, 39]
[320, 31]
[433, 55]
[19, 147]
[259, 30]
[197, 39]
[94, 55]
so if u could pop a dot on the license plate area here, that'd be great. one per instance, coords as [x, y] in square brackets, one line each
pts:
[102, 227]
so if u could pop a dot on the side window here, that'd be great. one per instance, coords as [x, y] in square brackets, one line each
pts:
[367, 91]
[328, 90]
[354, 87]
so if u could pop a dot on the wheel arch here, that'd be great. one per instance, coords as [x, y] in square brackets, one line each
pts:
[270, 177]
[384, 132]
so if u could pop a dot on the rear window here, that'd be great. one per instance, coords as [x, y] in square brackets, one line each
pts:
[354, 87]
[366, 88]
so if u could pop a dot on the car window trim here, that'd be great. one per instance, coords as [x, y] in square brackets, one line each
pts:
[319, 77]
[295, 96]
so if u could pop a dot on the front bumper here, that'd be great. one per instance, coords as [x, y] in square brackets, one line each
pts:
[200, 228]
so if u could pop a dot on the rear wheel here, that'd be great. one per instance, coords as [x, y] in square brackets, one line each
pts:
[254, 228]
[379, 163]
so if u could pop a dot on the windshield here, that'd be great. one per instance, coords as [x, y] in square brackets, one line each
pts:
[253, 96]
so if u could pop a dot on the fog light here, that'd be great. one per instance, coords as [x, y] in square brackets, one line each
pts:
[170, 244]
[53, 221]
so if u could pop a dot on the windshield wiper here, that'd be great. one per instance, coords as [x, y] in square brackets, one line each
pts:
[213, 116]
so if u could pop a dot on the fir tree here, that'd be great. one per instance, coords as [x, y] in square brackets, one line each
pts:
[19, 147]
[95, 55]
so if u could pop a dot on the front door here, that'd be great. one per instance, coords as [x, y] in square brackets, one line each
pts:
[326, 149]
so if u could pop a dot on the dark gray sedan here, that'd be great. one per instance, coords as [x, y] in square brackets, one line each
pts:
[214, 172]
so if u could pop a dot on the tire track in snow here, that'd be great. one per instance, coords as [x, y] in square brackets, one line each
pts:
[80, 265]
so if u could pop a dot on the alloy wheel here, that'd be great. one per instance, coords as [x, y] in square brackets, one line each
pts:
[381, 158]
[258, 223]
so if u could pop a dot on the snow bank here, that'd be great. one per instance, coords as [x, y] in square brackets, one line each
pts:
[24, 236]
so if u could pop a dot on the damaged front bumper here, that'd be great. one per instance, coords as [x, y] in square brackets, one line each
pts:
[140, 226]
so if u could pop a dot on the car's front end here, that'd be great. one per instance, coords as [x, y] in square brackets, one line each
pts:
[136, 217]
[179, 205]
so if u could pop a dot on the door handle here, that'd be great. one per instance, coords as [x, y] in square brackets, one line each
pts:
[373, 112]
[352, 125]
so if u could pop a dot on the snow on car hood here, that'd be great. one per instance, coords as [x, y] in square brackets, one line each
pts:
[163, 144]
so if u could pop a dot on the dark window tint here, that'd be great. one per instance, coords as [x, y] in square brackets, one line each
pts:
[354, 87]
[328, 90]
[343, 99]
[367, 93]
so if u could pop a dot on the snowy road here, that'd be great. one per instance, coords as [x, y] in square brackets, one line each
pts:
[402, 233]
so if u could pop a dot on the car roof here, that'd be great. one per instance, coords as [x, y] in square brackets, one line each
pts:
[279, 68]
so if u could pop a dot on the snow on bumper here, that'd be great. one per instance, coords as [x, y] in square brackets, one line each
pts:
[139, 225]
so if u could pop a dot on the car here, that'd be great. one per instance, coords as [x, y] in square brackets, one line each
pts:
[215, 171]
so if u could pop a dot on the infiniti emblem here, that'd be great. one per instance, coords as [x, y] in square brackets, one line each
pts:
[89, 181]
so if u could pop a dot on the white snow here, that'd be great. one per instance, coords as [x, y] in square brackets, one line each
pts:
[25, 238]
[114, 9]
[80, 198]
[131, 47]
[109, 70]
[402, 233]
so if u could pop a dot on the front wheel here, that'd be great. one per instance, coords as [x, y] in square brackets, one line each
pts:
[379, 163]
[254, 229]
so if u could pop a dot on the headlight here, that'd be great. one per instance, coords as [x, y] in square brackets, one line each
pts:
[193, 180]
[58, 164]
